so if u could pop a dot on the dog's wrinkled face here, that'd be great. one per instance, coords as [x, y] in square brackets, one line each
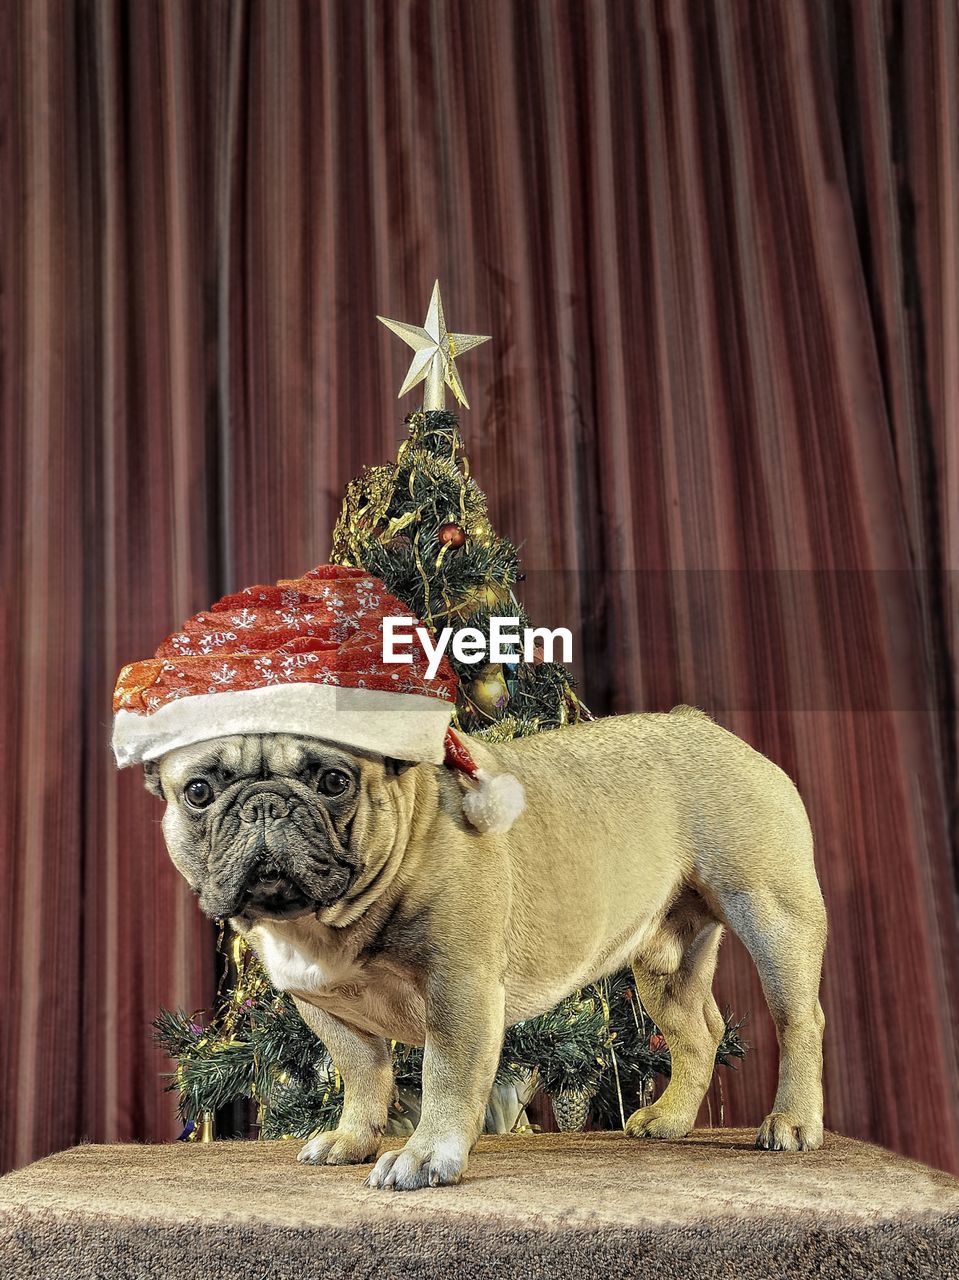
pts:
[261, 825]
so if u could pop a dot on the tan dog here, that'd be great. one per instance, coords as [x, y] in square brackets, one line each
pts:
[370, 900]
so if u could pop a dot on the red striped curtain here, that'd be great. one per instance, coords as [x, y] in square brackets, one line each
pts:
[716, 244]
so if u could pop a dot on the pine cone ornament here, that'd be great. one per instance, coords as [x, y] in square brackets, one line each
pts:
[571, 1107]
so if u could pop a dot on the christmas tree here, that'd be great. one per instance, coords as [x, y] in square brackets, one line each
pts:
[421, 525]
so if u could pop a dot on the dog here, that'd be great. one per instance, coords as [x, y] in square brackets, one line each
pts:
[367, 897]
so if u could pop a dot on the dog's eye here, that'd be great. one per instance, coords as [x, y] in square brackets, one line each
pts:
[198, 793]
[333, 782]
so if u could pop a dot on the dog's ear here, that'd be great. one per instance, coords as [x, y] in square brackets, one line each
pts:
[151, 778]
[394, 768]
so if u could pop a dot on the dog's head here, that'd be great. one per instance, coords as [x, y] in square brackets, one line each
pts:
[272, 825]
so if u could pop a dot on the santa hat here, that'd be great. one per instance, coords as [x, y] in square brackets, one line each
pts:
[303, 657]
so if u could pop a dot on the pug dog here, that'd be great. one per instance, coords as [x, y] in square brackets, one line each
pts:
[385, 915]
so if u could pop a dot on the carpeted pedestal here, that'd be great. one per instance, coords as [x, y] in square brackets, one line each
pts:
[571, 1206]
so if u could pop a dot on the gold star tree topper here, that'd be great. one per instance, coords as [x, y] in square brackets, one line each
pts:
[436, 351]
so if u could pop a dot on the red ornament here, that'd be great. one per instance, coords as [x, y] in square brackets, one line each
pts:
[451, 535]
[657, 1042]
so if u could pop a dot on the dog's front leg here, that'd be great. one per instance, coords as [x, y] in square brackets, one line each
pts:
[366, 1070]
[465, 1010]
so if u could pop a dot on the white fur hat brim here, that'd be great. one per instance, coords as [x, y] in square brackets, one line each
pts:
[404, 726]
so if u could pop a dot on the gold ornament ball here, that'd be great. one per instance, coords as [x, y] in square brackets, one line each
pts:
[482, 532]
[489, 691]
[495, 595]
[491, 597]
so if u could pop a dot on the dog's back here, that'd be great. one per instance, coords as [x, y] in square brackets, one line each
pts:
[721, 792]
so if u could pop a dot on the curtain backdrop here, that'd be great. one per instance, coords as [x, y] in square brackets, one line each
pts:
[716, 244]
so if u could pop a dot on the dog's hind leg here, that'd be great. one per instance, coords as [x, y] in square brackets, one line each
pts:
[674, 976]
[786, 936]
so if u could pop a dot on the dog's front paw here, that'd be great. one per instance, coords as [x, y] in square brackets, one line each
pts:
[436, 1160]
[340, 1146]
[655, 1121]
[782, 1132]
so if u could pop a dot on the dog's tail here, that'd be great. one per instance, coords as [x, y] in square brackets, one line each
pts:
[691, 713]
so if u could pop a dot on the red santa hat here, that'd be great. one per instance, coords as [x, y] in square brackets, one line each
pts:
[303, 657]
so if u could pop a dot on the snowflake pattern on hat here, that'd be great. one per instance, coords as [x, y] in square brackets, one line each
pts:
[323, 628]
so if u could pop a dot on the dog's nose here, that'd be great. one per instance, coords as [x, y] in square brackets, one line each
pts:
[265, 806]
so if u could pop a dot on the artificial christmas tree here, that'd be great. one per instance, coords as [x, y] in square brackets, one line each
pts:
[420, 526]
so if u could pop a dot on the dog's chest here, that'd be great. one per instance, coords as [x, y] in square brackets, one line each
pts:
[302, 970]
[363, 993]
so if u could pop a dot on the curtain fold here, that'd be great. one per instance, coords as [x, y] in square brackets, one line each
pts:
[716, 244]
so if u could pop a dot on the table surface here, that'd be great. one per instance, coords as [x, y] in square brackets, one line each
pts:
[538, 1193]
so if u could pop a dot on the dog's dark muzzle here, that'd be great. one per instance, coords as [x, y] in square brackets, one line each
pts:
[291, 868]
[269, 892]
[274, 853]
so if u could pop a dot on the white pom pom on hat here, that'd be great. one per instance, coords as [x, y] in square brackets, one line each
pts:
[493, 801]
[496, 802]
[303, 657]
